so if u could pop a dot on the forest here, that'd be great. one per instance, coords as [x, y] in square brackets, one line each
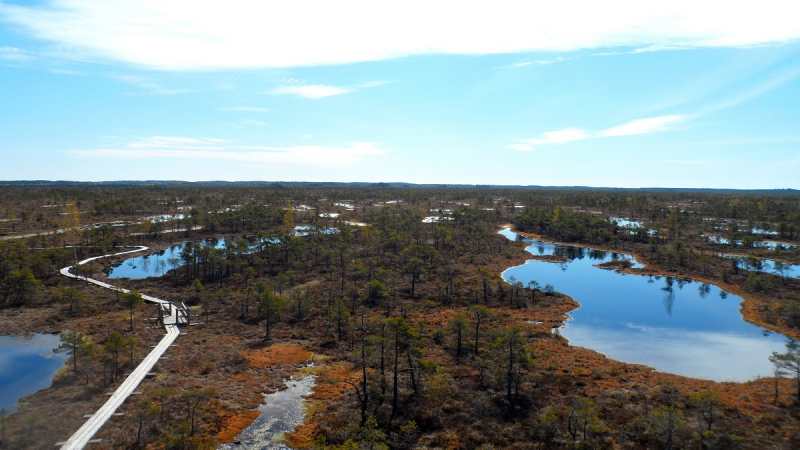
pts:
[392, 298]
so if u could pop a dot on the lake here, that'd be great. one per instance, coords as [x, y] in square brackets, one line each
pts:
[673, 325]
[27, 365]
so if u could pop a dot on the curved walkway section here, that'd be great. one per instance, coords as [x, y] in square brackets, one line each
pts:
[85, 433]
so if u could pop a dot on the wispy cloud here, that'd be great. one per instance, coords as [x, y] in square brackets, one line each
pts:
[692, 162]
[67, 72]
[187, 35]
[312, 91]
[260, 123]
[152, 88]
[172, 147]
[176, 143]
[246, 109]
[648, 49]
[318, 91]
[14, 54]
[541, 62]
[634, 127]
[643, 126]
[774, 82]
[372, 84]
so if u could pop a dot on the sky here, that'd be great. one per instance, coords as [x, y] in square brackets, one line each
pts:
[605, 94]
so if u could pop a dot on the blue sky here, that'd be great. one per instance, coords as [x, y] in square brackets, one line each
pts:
[623, 94]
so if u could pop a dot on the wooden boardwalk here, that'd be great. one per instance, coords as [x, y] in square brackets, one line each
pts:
[171, 319]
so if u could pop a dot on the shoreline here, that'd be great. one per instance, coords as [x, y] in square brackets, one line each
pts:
[749, 307]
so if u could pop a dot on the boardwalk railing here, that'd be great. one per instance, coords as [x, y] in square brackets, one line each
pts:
[171, 318]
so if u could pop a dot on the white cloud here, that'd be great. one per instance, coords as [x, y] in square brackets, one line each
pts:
[312, 91]
[193, 35]
[318, 91]
[260, 123]
[246, 109]
[634, 127]
[643, 126]
[220, 150]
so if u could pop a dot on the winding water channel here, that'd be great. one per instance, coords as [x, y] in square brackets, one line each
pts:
[674, 325]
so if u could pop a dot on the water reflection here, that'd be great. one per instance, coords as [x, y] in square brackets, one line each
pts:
[27, 365]
[669, 299]
[156, 264]
[775, 267]
[770, 245]
[653, 320]
[570, 253]
[281, 413]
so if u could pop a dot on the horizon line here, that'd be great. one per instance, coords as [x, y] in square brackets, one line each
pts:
[386, 183]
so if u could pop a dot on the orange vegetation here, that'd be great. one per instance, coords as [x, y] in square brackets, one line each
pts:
[242, 377]
[233, 425]
[227, 339]
[258, 358]
[328, 387]
[277, 354]
[303, 436]
[330, 384]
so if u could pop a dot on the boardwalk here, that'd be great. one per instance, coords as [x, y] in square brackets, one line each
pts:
[171, 319]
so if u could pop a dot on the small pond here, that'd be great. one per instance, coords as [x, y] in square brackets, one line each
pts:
[432, 219]
[773, 245]
[281, 413]
[626, 223]
[305, 230]
[164, 217]
[631, 225]
[154, 264]
[27, 365]
[777, 268]
[674, 325]
[158, 263]
[762, 231]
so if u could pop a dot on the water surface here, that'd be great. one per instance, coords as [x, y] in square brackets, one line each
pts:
[27, 365]
[765, 265]
[674, 325]
[281, 413]
[158, 263]
[154, 264]
[631, 225]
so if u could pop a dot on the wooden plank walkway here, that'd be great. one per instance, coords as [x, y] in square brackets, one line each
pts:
[85, 433]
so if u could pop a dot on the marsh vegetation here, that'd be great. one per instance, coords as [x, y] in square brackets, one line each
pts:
[417, 340]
